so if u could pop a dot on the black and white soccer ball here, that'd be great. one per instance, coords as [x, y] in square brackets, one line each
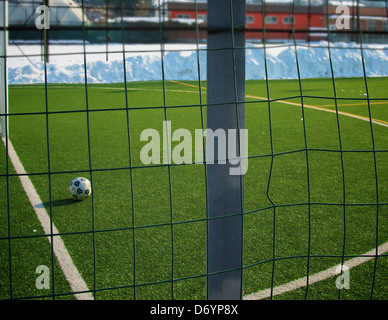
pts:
[80, 188]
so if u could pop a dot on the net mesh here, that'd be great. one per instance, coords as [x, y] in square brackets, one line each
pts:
[82, 93]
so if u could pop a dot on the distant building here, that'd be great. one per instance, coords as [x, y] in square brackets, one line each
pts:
[295, 20]
[62, 12]
[280, 19]
[364, 18]
[186, 21]
[22, 16]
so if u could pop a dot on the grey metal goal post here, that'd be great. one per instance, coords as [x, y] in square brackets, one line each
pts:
[3, 68]
[225, 91]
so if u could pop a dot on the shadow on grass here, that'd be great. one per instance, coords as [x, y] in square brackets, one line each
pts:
[56, 203]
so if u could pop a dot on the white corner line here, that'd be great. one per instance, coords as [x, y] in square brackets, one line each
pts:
[70, 271]
[323, 275]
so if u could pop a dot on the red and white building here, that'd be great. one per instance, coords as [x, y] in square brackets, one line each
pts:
[282, 21]
[279, 19]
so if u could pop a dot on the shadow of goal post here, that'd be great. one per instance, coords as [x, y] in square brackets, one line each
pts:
[225, 87]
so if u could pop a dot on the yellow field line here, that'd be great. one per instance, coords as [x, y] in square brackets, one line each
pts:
[353, 104]
[332, 271]
[356, 116]
[187, 84]
[377, 121]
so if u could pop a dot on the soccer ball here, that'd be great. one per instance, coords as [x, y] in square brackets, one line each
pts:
[80, 188]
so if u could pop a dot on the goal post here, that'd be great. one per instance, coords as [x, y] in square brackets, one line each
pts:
[225, 91]
[3, 69]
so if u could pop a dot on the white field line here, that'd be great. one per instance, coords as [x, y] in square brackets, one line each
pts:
[323, 275]
[293, 285]
[74, 274]
[70, 271]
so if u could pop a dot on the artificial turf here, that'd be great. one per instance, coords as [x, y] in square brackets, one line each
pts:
[306, 203]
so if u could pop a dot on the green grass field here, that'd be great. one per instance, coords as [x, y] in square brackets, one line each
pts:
[145, 226]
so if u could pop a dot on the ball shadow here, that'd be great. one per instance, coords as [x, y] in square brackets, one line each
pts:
[56, 203]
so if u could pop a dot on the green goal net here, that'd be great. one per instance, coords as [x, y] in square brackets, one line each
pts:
[234, 149]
